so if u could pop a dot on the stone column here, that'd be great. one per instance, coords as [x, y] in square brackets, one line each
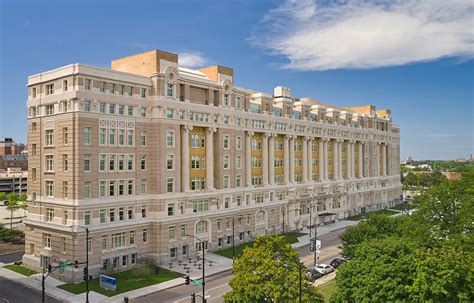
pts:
[310, 159]
[339, 157]
[348, 160]
[286, 160]
[292, 159]
[336, 159]
[271, 159]
[326, 160]
[210, 158]
[321, 159]
[265, 159]
[353, 160]
[384, 159]
[304, 161]
[360, 159]
[377, 158]
[185, 158]
[248, 159]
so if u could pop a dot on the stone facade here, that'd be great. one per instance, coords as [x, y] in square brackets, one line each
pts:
[148, 152]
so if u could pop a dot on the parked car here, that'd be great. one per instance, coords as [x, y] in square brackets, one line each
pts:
[313, 274]
[336, 262]
[324, 269]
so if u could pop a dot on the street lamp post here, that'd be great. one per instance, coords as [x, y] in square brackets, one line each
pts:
[86, 270]
[233, 237]
[203, 267]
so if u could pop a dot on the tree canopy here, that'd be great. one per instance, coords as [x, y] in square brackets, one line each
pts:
[268, 271]
[427, 257]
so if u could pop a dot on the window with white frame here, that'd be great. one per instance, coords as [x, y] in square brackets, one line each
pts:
[169, 184]
[49, 137]
[86, 106]
[102, 135]
[169, 138]
[86, 191]
[226, 182]
[143, 138]
[238, 162]
[238, 142]
[87, 163]
[49, 161]
[47, 241]
[170, 161]
[130, 137]
[226, 161]
[49, 188]
[201, 227]
[226, 141]
[86, 138]
[49, 214]
[50, 89]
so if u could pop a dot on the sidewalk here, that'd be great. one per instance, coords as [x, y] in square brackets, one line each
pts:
[322, 230]
[219, 264]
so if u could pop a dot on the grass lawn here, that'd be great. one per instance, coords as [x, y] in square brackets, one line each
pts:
[126, 281]
[239, 249]
[327, 289]
[385, 212]
[21, 270]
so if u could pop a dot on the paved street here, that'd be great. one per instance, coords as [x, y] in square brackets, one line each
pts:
[217, 285]
[11, 292]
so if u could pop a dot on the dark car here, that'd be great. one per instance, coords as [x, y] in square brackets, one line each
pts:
[313, 274]
[336, 262]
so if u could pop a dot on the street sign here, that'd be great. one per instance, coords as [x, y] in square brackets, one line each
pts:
[197, 282]
[318, 244]
[107, 282]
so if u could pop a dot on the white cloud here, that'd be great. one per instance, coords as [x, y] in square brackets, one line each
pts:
[321, 34]
[192, 59]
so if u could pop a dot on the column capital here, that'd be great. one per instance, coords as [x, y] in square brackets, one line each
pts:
[250, 133]
[307, 138]
[211, 130]
[187, 128]
[379, 143]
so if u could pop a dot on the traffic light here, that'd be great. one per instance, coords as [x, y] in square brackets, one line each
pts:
[157, 270]
[187, 280]
[85, 273]
[50, 268]
[76, 264]
[193, 298]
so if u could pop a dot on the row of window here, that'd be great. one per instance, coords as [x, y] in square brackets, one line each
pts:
[113, 88]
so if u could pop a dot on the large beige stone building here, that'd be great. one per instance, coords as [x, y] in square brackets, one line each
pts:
[147, 152]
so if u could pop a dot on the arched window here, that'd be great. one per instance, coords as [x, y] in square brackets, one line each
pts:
[201, 227]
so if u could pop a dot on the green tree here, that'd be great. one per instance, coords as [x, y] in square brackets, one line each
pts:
[268, 271]
[374, 227]
[15, 202]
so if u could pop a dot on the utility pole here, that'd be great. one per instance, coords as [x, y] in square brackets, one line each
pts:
[86, 270]
[203, 267]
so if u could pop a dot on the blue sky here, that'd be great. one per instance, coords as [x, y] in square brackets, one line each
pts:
[414, 58]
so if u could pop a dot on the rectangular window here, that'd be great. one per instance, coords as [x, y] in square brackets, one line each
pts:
[50, 89]
[169, 89]
[171, 233]
[226, 141]
[49, 160]
[170, 162]
[65, 136]
[102, 160]
[169, 185]
[226, 181]
[102, 215]
[130, 162]
[102, 87]
[111, 109]
[111, 136]
[88, 85]
[143, 92]
[130, 187]
[121, 137]
[169, 138]
[130, 91]
[49, 110]
[65, 189]
[145, 236]
[238, 143]
[86, 135]
[130, 213]
[143, 211]
[121, 89]
[130, 137]
[102, 107]
[143, 186]
[86, 106]
[238, 181]
[49, 137]
[111, 162]
[47, 241]
[130, 110]
[111, 188]
[33, 149]
[238, 162]
[121, 214]
[87, 190]
[87, 217]
[103, 242]
[112, 215]
[102, 132]
[143, 138]
[131, 238]
[49, 214]
[102, 188]
[121, 187]
[121, 162]
[87, 163]
[49, 188]
[33, 174]
[170, 210]
[226, 161]
[121, 109]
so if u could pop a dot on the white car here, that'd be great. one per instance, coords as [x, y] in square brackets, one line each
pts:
[324, 268]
